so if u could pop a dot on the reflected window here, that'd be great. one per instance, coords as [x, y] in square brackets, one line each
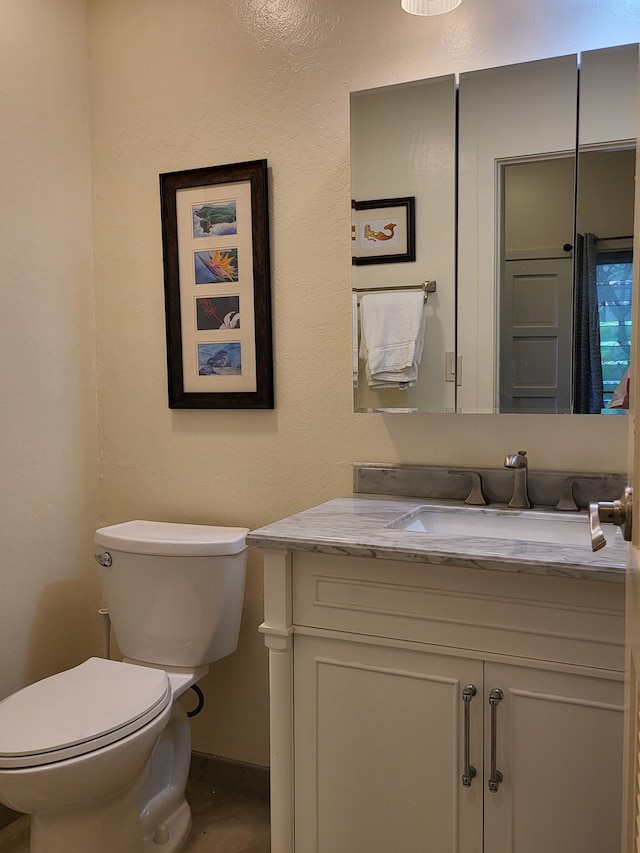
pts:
[614, 287]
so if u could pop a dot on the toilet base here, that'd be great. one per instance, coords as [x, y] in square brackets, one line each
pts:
[165, 816]
[170, 836]
[84, 831]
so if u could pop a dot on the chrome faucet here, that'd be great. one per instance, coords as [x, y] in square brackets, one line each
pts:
[518, 461]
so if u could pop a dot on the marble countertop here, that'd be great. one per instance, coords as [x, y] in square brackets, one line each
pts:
[356, 526]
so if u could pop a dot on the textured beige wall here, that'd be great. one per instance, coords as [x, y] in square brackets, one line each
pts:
[48, 437]
[183, 85]
[174, 86]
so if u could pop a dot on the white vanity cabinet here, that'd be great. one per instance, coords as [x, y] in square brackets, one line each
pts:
[372, 736]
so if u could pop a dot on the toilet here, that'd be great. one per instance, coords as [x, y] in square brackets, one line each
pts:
[99, 755]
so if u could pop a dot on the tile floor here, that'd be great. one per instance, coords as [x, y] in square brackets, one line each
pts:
[224, 821]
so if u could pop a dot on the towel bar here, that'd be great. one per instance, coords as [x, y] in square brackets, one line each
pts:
[427, 286]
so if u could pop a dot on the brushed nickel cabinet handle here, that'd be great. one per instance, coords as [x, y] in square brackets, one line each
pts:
[469, 772]
[495, 697]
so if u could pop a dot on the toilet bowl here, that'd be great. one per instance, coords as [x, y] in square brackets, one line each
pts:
[99, 755]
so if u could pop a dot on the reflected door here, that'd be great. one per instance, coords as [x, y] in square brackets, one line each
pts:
[535, 336]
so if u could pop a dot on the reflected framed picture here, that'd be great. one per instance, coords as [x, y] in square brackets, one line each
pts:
[215, 241]
[383, 231]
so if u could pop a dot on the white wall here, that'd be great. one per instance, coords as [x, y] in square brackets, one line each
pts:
[48, 439]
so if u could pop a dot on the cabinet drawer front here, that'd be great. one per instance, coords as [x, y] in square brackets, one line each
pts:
[566, 620]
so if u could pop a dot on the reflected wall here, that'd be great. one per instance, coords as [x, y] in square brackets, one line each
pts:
[403, 145]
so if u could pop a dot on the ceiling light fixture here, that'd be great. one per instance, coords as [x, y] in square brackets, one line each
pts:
[429, 7]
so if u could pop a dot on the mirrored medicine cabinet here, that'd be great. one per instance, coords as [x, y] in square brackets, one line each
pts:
[516, 185]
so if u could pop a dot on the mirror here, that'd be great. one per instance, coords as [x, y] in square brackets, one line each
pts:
[403, 146]
[515, 115]
[543, 290]
[544, 332]
[605, 208]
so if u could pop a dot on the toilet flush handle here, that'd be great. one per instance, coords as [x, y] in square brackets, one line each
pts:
[103, 559]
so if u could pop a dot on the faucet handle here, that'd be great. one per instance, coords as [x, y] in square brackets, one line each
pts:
[476, 496]
[567, 502]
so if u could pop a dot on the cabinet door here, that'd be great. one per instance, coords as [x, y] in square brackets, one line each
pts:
[559, 750]
[379, 750]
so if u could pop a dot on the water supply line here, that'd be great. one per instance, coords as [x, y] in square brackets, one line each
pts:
[200, 704]
[105, 624]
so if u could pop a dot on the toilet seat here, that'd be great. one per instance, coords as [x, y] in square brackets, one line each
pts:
[78, 711]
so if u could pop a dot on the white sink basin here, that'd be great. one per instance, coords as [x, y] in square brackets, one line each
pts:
[553, 528]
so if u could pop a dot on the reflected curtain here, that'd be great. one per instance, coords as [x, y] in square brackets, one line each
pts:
[587, 359]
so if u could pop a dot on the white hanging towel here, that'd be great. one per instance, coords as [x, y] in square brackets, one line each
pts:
[355, 340]
[392, 326]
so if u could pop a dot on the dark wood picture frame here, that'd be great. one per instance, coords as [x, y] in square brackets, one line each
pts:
[393, 238]
[215, 239]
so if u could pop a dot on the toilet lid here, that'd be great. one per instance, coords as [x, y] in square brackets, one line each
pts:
[79, 710]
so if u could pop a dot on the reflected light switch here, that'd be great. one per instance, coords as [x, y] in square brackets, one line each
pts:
[450, 367]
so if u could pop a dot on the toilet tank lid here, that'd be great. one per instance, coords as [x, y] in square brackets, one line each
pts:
[171, 539]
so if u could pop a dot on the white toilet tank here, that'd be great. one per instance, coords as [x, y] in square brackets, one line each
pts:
[174, 591]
